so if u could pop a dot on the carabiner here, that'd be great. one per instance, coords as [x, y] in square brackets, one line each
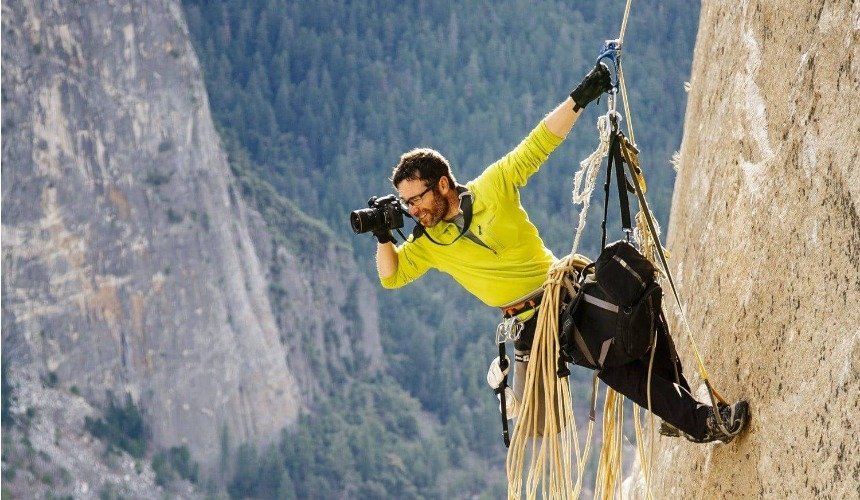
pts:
[509, 329]
[611, 50]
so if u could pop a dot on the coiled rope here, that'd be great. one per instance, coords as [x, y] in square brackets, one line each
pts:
[546, 424]
[549, 430]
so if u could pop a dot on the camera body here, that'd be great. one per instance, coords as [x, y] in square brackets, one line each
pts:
[385, 213]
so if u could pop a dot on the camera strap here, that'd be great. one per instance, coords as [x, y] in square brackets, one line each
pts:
[465, 205]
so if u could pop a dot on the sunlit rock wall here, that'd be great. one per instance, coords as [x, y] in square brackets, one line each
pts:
[765, 235]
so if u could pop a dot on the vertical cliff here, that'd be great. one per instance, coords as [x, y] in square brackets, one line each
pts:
[765, 235]
[131, 263]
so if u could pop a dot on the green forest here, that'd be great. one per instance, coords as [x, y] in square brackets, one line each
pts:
[317, 100]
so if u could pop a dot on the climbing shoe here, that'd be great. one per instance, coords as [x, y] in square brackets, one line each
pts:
[669, 430]
[734, 418]
[595, 83]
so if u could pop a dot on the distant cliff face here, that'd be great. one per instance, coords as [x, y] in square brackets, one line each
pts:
[765, 235]
[130, 261]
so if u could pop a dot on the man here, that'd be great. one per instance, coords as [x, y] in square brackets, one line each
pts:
[481, 235]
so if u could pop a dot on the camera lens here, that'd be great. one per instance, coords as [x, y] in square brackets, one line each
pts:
[355, 221]
[364, 220]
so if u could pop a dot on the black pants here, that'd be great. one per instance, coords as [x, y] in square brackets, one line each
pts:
[670, 401]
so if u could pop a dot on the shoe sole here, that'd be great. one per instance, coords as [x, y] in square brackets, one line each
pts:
[743, 415]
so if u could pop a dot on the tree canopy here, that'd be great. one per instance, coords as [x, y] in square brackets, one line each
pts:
[322, 97]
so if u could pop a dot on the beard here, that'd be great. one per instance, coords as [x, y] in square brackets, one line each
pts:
[438, 209]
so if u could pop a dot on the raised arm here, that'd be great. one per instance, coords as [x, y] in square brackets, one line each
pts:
[560, 120]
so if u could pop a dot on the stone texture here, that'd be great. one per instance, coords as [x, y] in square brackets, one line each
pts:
[130, 261]
[765, 235]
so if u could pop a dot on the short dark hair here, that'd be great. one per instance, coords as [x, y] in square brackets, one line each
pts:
[422, 164]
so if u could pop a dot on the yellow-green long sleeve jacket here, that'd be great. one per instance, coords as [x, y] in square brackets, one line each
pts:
[513, 260]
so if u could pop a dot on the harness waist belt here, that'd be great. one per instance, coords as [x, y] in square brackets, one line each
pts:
[523, 306]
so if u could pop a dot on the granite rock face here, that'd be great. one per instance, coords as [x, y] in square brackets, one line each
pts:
[131, 264]
[765, 236]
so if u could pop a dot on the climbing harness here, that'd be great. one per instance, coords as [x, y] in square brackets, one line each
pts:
[509, 329]
[546, 378]
[546, 382]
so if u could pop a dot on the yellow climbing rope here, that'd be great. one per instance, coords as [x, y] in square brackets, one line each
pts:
[546, 428]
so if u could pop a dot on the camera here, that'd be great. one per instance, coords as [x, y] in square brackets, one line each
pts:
[384, 214]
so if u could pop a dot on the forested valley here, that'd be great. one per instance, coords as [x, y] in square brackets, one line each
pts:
[315, 102]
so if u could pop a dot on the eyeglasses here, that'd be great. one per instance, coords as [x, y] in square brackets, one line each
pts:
[415, 200]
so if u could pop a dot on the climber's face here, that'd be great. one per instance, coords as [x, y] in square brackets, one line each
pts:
[426, 203]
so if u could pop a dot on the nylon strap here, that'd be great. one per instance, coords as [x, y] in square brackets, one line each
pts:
[580, 343]
[626, 224]
[612, 141]
[609, 306]
[465, 204]
[503, 365]
[629, 269]
[616, 160]
[604, 350]
[629, 153]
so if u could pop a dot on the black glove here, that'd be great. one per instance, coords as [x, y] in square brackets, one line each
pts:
[383, 236]
[595, 83]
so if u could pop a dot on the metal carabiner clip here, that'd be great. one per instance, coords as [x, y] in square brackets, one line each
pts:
[509, 329]
[611, 50]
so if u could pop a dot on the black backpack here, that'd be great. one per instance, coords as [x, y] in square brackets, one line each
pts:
[613, 317]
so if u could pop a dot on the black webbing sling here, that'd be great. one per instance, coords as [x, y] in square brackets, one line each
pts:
[500, 390]
[617, 161]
